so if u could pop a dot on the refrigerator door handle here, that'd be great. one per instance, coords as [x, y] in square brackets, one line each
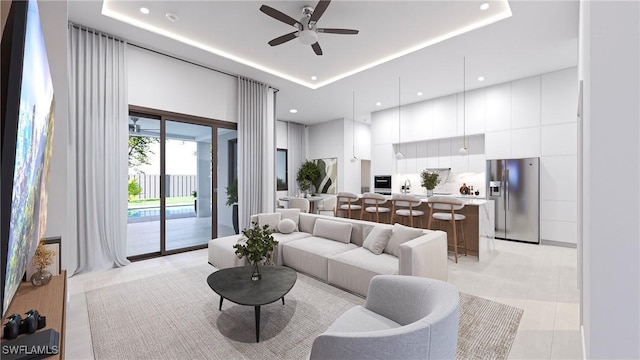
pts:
[506, 183]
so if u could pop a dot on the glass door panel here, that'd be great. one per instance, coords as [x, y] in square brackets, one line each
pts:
[188, 168]
[227, 181]
[143, 213]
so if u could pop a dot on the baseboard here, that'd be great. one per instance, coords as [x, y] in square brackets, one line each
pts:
[558, 243]
[584, 347]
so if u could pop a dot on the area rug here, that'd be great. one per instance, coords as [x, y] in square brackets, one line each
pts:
[175, 315]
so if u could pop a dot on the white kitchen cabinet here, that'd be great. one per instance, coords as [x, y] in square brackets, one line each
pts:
[498, 107]
[525, 142]
[560, 139]
[525, 102]
[560, 96]
[497, 144]
[475, 112]
[444, 117]
[384, 127]
[417, 122]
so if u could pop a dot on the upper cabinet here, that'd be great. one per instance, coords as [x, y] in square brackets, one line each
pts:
[498, 107]
[471, 116]
[525, 103]
[444, 117]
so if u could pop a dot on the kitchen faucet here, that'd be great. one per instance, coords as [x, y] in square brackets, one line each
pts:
[406, 186]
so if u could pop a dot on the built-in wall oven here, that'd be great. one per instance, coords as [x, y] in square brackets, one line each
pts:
[382, 184]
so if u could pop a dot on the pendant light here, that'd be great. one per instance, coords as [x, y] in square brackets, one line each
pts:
[399, 154]
[464, 150]
[353, 120]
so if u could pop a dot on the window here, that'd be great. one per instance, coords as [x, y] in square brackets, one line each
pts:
[282, 171]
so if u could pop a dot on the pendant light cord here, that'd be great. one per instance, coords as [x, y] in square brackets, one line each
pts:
[353, 119]
[464, 102]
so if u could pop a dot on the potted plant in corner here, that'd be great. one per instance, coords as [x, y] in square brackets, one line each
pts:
[232, 200]
[429, 180]
[307, 175]
[256, 245]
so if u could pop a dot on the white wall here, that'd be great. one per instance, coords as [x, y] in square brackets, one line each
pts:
[326, 140]
[60, 199]
[609, 58]
[531, 117]
[160, 82]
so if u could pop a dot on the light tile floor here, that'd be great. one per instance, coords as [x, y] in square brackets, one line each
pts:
[540, 279]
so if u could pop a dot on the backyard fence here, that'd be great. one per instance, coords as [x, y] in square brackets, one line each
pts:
[177, 185]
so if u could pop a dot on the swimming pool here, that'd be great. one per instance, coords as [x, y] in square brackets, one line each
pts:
[155, 211]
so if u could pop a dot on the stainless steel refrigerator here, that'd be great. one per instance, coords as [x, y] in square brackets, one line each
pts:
[514, 185]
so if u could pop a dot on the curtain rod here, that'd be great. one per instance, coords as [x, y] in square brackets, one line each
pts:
[83, 27]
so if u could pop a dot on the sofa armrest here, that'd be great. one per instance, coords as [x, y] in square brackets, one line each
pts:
[425, 256]
[400, 343]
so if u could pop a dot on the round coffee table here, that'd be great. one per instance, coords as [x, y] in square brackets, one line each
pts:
[235, 285]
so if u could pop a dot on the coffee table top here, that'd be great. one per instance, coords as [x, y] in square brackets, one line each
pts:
[235, 284]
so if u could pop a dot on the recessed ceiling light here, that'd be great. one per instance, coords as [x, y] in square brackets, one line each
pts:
[314, 78]
[144, 10]
[378, 103]
[172, 17]
[480, 78]
[419, 93]
[484, 6]
[293, 111]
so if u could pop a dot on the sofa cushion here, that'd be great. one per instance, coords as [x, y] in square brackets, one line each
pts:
[333, 230]
[282, 239]
[269, 219]
[361, 319]
[293, 214]
[222, 254]
[310, 255]
[401, 234]
[377, 240]
[286, 226]
[353, 270]
[306, 222]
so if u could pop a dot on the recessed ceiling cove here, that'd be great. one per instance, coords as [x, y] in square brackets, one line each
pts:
[240, 31]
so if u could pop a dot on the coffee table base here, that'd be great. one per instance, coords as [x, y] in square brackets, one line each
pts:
[257, 316]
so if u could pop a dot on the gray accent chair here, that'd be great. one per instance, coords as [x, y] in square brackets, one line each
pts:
[404, 317]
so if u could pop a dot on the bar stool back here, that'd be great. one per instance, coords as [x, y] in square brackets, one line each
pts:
[371, 204]
[346, 202]
[446, 207]
[404, 206]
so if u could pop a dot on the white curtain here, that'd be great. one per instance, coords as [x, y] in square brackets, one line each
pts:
[256, 150]
[98, 110]
[297, 154]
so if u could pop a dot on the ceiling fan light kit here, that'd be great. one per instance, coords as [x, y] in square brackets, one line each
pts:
[307, 31]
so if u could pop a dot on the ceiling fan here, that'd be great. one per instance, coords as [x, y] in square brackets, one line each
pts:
[307, 31]
[135, 127]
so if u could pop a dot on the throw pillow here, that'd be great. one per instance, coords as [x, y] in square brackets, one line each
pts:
[333, 230]
[286, 226]
[293, 214]
[269, 219]
[400, 234]
[377, 240]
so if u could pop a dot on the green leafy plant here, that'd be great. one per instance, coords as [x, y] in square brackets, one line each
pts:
[305, 185]
[429, 179]
[257, 245]
[232, 192]
[310, 172]
[194, 193]
[133, 188]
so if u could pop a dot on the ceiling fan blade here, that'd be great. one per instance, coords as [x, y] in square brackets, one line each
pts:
[283, 39]
[278, 15]
[339, 31]
[319, 10]
[316, 48]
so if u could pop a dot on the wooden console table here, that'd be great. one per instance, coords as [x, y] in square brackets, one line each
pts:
[50, 300]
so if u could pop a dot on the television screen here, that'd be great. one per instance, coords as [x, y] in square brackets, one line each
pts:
[26, 144]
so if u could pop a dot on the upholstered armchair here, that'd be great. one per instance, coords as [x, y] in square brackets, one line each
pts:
[405, 317]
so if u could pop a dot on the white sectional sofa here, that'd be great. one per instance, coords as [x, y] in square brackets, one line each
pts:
[341, 251]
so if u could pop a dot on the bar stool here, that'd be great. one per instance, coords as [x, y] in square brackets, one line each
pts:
[404, 205]
[328, 205]
[347, 202]
[450, 205]
[375, 200]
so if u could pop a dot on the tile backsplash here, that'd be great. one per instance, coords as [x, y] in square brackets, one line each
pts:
[448, 184]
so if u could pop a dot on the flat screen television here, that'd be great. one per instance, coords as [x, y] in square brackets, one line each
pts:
[27, 135]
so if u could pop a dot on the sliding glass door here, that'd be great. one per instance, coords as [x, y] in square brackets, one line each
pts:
[188, 166]
[183, 164]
